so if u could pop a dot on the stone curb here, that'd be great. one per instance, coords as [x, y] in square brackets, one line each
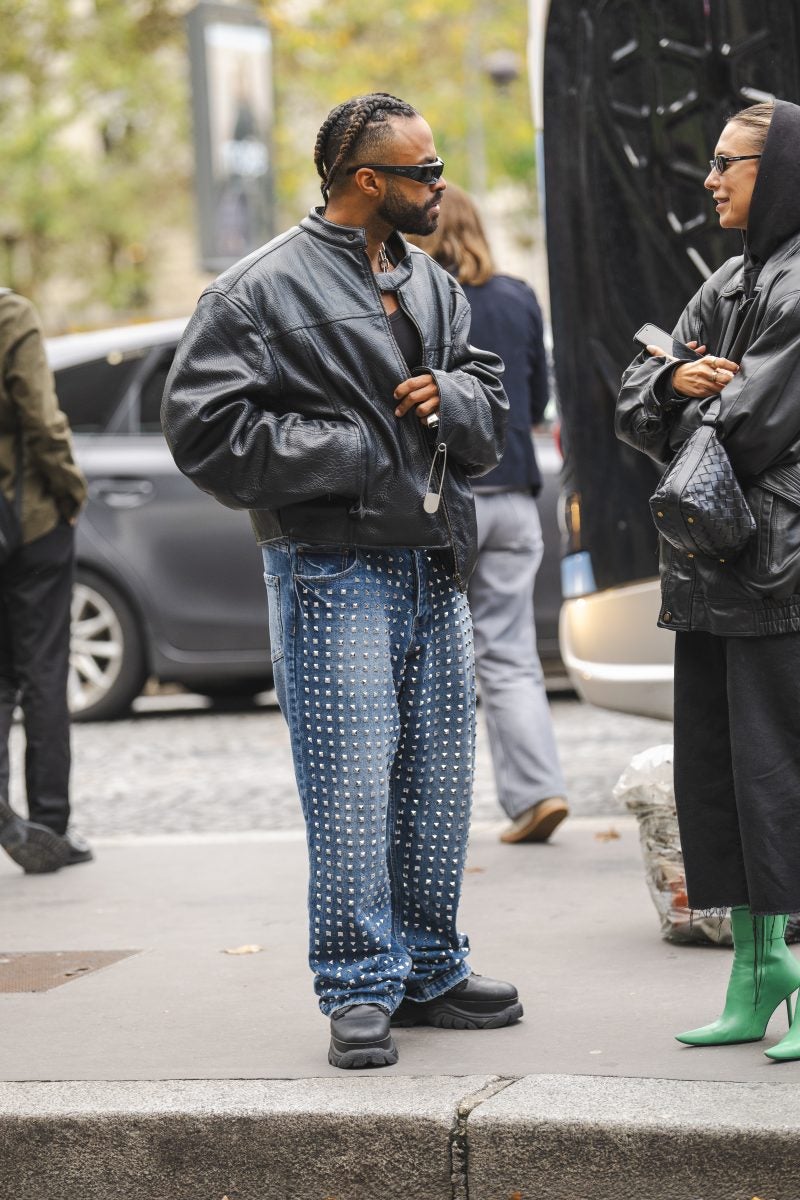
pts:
[565, 1137]
[552, 1137]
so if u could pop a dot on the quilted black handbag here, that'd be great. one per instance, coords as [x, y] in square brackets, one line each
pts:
[699, 506]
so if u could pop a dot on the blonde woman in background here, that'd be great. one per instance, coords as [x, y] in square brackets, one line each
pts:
[506, 319]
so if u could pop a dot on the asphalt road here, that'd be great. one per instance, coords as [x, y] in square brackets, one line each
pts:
[175, 768]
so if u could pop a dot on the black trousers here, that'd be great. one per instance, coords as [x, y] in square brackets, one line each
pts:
[737, 769]
[35, 595]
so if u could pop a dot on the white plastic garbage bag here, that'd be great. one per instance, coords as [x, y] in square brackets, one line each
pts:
[645, 786]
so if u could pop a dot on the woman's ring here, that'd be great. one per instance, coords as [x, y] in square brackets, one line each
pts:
[714, 377]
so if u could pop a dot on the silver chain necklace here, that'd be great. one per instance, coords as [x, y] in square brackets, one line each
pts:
[383, 260]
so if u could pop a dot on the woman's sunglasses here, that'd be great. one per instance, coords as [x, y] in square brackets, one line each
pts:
[721, 162]
[426, 173]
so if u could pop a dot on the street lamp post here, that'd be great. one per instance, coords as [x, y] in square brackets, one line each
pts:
[502, 67]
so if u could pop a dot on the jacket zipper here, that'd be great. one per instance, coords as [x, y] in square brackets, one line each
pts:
[426, 442]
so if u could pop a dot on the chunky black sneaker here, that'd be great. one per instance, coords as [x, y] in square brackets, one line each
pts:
[360, 1037]
[475, 1003]
[33, 847]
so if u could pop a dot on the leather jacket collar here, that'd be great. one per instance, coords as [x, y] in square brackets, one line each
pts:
[353, 237]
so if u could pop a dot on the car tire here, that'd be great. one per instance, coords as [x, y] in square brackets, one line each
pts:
[107, 659]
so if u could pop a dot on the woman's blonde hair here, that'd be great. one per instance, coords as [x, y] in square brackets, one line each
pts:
[459, 243]
[756, 119]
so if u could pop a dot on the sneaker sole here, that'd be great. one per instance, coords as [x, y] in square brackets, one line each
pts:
[450, 1016]
[356, 1058]
[33, 847]
[547, 819]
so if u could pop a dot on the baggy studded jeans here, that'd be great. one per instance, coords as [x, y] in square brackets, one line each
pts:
[374, 672]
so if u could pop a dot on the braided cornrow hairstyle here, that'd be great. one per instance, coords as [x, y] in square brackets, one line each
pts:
[348, 125]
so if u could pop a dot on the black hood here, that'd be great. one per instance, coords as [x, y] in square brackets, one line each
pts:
[775, 205]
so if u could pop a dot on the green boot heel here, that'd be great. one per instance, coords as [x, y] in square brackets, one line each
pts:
[788, 1049]
[755, 989]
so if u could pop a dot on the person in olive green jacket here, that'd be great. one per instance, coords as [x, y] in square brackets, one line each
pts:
[35, 593]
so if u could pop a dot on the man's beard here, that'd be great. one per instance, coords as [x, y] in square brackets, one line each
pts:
[408, 218]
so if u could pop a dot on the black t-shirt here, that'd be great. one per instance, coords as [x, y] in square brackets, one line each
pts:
[407, 338]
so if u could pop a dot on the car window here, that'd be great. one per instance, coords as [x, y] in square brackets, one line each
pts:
[90, 392]
[152, 391]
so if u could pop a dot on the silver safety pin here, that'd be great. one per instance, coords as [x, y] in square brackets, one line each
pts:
[432, 499]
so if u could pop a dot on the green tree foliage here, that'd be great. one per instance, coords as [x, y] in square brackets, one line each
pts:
[95, 150]
[433, 53]
[93, 142]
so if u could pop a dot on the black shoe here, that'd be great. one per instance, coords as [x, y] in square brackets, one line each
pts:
[475, 1003]
[360, 1037]
[33, 847]
[79, 849]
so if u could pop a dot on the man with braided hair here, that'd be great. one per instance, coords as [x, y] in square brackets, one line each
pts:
[327, 384]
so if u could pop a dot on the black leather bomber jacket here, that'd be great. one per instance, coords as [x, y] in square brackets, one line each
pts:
[280, 398]
[759, 424]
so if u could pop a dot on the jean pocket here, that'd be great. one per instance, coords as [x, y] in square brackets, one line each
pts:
[273, 583]
[324, 562]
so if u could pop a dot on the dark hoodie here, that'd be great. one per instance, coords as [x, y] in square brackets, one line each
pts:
[758, 594]
[775, 205]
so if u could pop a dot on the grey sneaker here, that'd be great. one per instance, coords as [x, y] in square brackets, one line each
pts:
[33, 847]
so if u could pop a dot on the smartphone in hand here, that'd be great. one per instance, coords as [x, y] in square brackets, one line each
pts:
[651, 335]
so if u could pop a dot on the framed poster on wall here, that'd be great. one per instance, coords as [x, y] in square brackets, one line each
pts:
[230, 54]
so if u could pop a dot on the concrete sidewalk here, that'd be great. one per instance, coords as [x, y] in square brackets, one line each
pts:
[182, 1071]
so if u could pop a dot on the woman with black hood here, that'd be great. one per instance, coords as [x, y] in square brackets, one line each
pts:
[737, 652]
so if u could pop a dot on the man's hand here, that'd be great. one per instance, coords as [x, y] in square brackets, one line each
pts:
[421, 392]
[705, 377]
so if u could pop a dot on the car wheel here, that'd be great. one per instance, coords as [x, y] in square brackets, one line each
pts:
[107, 661]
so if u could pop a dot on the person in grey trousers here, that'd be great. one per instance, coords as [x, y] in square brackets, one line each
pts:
[506, 319]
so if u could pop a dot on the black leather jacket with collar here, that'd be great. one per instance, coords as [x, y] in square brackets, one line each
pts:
[280, 398]
[759, 425]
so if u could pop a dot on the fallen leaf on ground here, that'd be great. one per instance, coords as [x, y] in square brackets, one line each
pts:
[244, 950]
[607, 835]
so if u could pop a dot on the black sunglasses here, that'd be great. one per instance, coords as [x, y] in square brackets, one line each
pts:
[426, 173]
[721, 162]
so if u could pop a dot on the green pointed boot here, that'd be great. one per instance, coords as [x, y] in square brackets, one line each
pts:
[788, 1049]
[765, 973]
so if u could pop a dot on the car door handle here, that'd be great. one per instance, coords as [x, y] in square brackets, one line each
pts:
[122, 493]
